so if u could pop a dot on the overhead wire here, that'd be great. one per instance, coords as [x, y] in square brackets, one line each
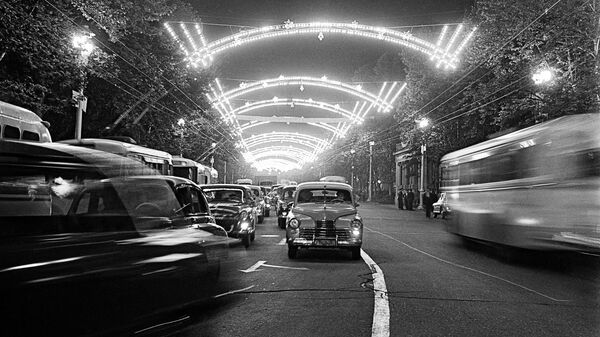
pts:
[146, 75]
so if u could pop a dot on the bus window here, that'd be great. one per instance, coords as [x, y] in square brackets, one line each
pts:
[33, 136]
[11, 132]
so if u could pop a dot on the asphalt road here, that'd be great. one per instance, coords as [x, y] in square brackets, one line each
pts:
[436, 286]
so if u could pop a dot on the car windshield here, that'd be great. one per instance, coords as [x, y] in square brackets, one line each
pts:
[321, 195]
[288, 194]
[223, 195]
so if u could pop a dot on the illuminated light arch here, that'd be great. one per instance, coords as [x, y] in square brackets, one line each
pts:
[292, 137]
[324, 126]
[292, 103]
[356, 90]
[299, 155]
[279, 164]
[444, 53]
[260, 142]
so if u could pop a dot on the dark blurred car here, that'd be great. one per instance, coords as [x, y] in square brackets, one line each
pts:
[441, 207]
[233, 207]
[284, 203]
[87, 251]
[259, 198]
[324, 215]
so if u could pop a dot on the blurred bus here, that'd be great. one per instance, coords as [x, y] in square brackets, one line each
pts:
[194, 171]
[537, 188]
[158, 160]
[18, 123]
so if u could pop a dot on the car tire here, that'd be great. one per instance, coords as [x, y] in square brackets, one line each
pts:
[267, 213]
[355, 253]
[443, 215]
[261, 219]
[252, 236]
[292, 251]
[435, 215]
[246, 240]
[281, 222]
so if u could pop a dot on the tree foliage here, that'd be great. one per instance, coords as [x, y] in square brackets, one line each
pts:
[135, 75]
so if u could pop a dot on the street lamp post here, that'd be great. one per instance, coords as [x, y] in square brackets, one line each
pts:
[423, 124]
[82, 43]
[181, 123]
[352, 151]
[371, 143]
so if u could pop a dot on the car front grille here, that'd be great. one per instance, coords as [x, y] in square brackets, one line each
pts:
[226, 223]
[319, 233]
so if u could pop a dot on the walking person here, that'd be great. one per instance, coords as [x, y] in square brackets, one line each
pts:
[428, 201]
[410, 198]
[401, 199]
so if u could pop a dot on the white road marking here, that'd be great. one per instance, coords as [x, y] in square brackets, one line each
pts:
[162, 324]
[264, 264]
[469, 268]
[254, 267]
[231, 292]
[381, 310]
[269, 236]
[284, 267]
[282, 242]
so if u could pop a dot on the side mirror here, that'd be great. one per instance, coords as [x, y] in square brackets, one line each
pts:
[356, 204]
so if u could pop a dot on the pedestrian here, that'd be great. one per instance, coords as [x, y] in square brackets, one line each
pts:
[401, 199]
[410, 198]
[428, 200]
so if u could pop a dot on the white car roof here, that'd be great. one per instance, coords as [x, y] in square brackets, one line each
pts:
[321, 184]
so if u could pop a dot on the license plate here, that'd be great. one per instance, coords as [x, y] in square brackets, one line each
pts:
[322, 242]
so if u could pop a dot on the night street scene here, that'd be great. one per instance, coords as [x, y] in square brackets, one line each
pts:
[299, 168]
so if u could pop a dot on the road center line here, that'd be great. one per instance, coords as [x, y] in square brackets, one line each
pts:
[381, 309]
[468, 268]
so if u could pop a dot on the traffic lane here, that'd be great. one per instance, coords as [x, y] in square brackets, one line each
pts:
[558, 275]
[321, 293]
[432, 291]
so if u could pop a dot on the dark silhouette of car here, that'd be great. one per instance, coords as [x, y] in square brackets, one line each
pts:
[234, 209]
[87, 249]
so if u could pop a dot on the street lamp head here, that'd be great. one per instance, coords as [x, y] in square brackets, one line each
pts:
[83, 44]
[181, 122]
[352, 151]
[371, 143]
[542, 76]
[423, 123]
[213, 145]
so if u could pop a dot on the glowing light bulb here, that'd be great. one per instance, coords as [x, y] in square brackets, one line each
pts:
[320, 36]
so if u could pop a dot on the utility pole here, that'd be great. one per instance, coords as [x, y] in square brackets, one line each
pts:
[371, 143]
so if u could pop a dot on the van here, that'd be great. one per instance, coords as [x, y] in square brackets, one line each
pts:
[18, 123]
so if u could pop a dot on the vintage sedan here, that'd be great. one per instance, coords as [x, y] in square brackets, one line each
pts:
[284, 203]
[87, 250]
[324, 215]
[234, 208]
[261, 206]
[441, 207]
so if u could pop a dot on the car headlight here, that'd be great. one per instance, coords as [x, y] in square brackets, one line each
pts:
[243, 215]
[244, 225]
[294, 223]
[355, 224]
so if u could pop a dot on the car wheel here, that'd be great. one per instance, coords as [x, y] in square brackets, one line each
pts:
[246, 240]
[267, 213]
[356, 253]
[281, 222]
[292, 251]
[261, 219]
[252, 236]
[443, 215]
[435, 215]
